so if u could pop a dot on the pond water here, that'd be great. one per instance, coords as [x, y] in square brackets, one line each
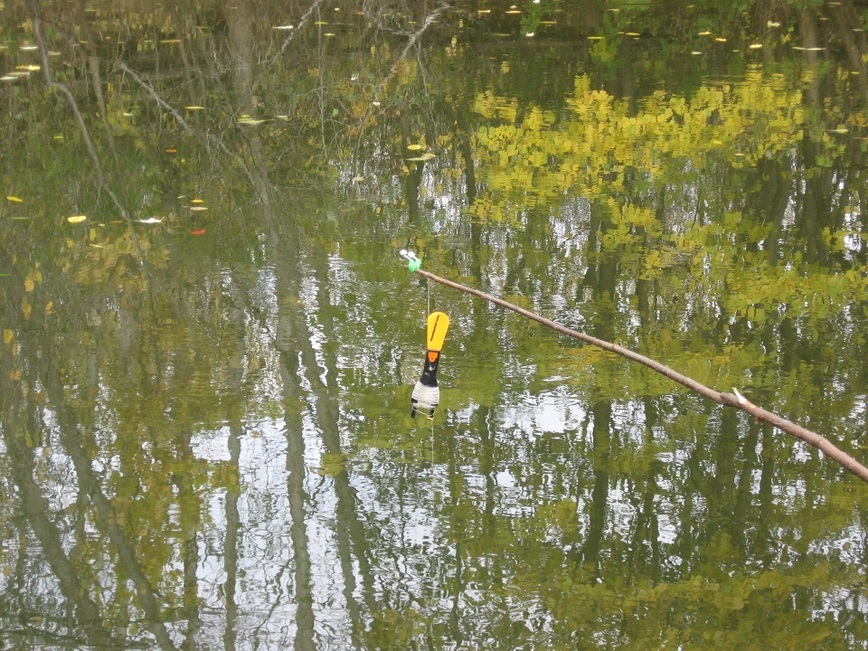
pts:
[210, 339]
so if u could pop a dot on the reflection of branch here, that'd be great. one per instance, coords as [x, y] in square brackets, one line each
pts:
[85, 134]
[159, 100]
[411, 42]
[414, 38]
[210, 138]
[734, 399]
[305, 19]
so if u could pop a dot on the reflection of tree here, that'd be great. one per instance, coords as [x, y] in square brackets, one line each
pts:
[75, 588]
[680, 228]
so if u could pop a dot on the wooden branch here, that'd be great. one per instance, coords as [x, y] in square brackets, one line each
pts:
[734, 399]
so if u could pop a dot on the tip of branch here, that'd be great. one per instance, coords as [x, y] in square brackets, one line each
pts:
[741, 399]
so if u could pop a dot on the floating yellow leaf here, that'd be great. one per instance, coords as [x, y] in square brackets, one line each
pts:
[198, 207]
[197, 201]
[76, 219]
[420, 159]
[28, 284]
[414, 147]
[49, 307]
[15, 374]
[755, 46]
[194, 107]
[14, 199]
[246, 119]
[706, 33]
[8, 336]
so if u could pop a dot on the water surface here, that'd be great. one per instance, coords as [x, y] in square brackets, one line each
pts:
[209, 339]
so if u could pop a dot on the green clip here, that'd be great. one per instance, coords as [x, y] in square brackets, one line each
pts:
[413, 264]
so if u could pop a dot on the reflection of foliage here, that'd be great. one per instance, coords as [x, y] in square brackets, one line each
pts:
[649, 212]
[535, 12]
[601, 143]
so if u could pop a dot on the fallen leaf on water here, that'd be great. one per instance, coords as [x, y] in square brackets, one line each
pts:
[195, 107]
[14, 199]
[197, 231]
[420, 159]
[198, 208]
[197, 201]
[246, 119]
[28, 284]
[151, 220]
[8, 336]
[76, 219]
[414, 147]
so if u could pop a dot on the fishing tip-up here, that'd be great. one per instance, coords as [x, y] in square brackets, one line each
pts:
[426, 393]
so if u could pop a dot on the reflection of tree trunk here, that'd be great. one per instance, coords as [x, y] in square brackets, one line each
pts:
[237, 316]
[814, 212]
[848, 22]
[70, 438]
[602, 414]
[289, 339]
[775, 192]
[601, 277]
[412, 181]
[349, 531]
[808, 25]
[233, 529]
[466, 150]
[35, 508]
[239, 19]
[96, 83]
